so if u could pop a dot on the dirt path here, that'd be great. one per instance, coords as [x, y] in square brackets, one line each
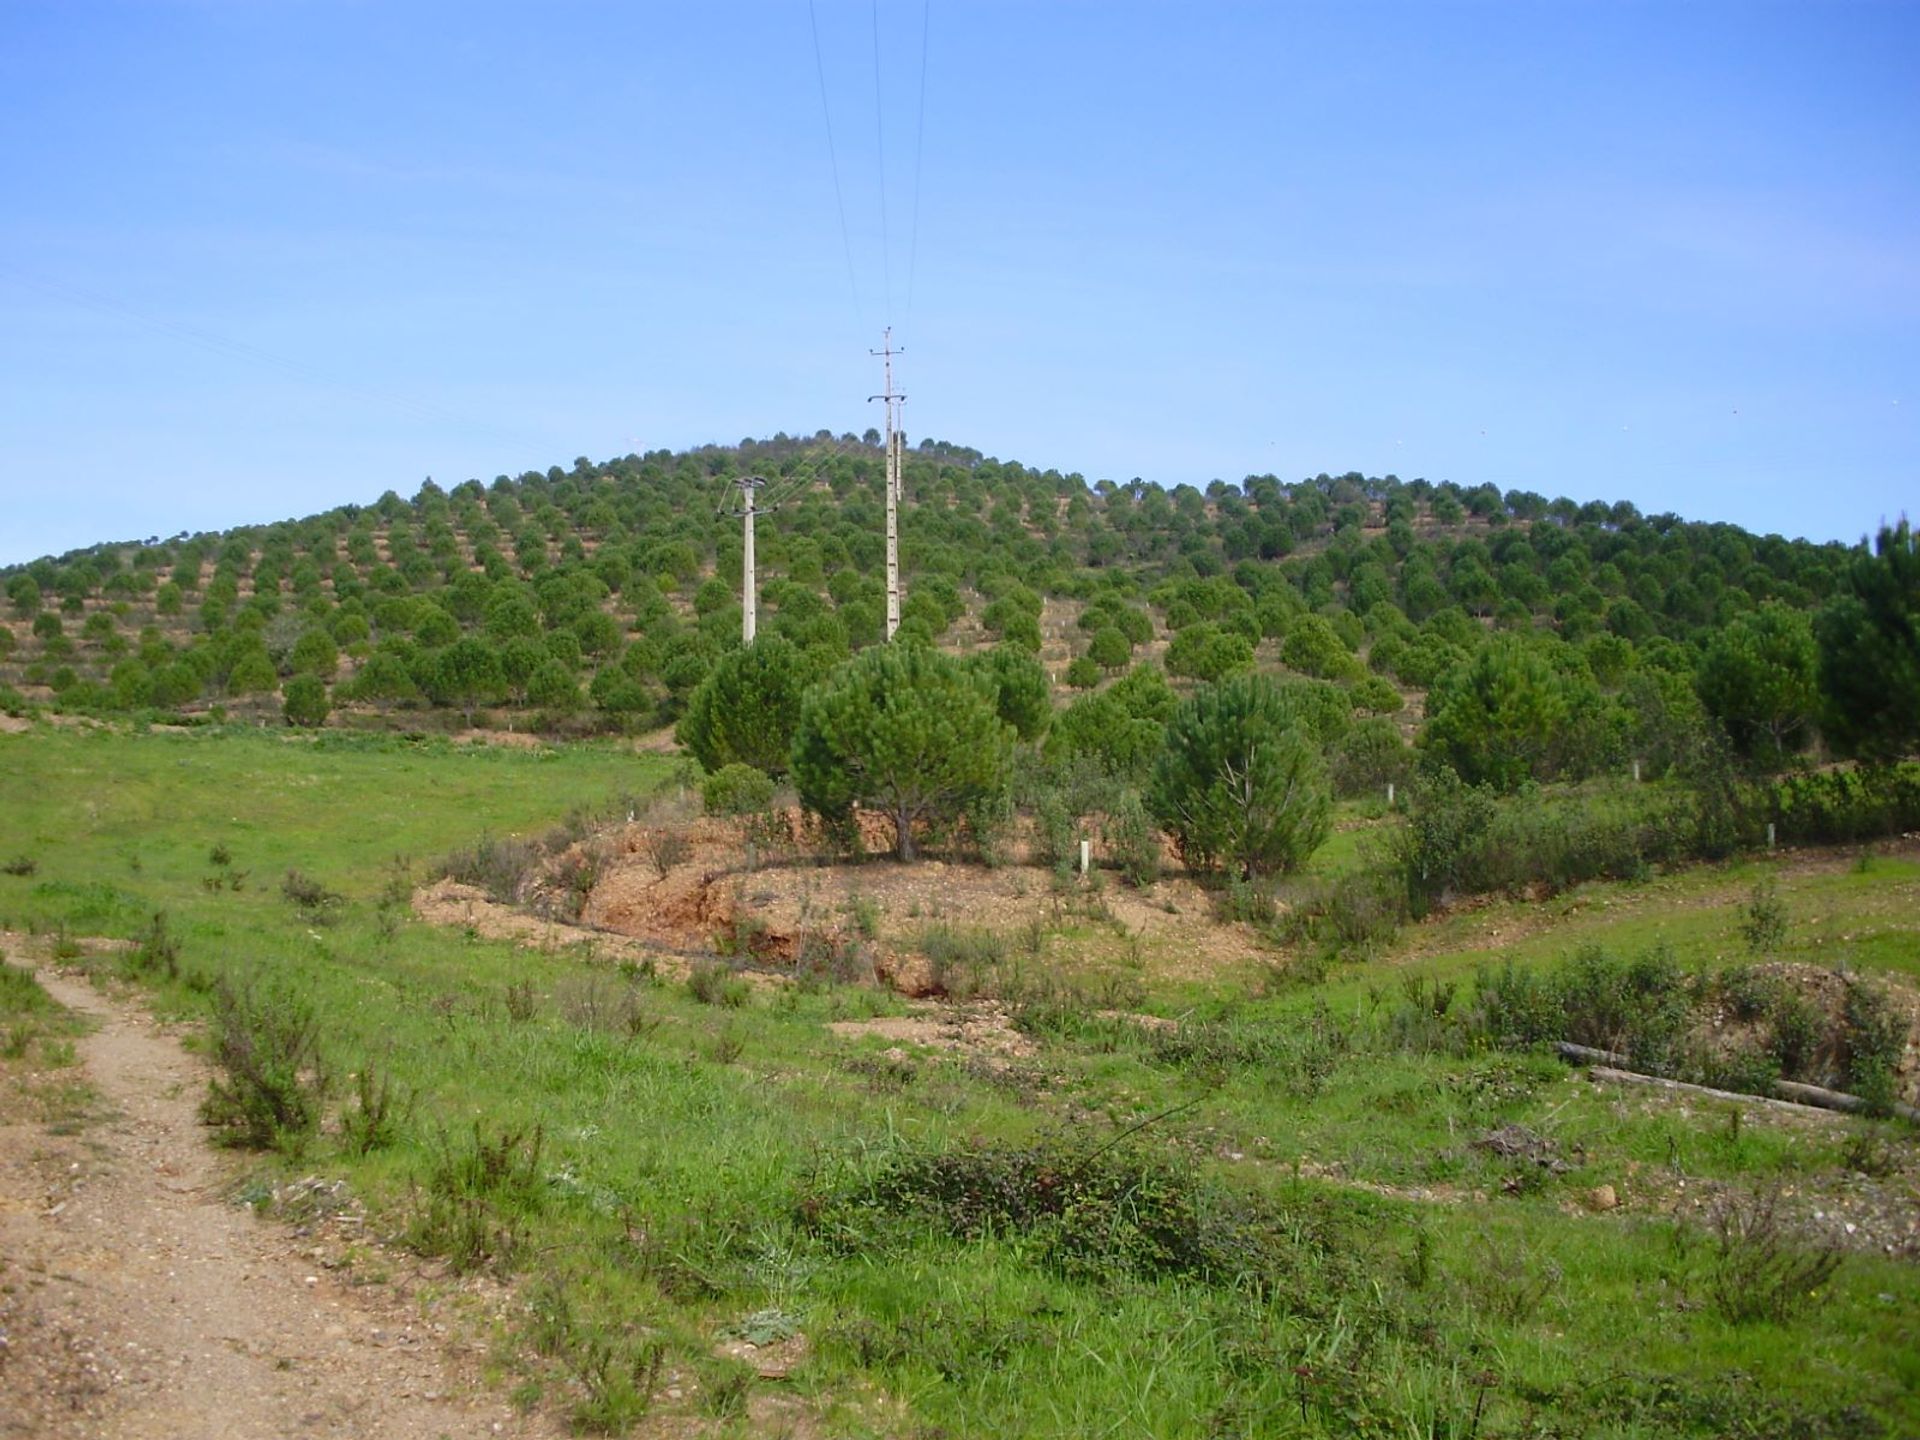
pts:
[136, 1301]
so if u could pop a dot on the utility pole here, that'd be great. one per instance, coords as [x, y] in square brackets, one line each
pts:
[894, 479]
[748, 602]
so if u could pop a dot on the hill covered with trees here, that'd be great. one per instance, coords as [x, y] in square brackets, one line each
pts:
[1523, 638]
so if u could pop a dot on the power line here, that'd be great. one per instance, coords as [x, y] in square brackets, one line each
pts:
[919, 149]
[833, 160]
[880, 145]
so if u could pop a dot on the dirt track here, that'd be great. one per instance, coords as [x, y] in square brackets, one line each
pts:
[136, 1300]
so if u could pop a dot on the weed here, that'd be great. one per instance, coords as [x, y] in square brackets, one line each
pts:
[1871, 1151]
[1760, 1270]
[22, 865]
[864, 914]
[273, 1080]
[725, 1384]
[220, 855]
[1506, 1282]
[595, 1004]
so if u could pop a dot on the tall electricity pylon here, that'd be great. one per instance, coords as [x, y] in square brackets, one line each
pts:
[895, 450]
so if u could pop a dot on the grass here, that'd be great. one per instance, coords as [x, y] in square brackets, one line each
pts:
[1269, 1219]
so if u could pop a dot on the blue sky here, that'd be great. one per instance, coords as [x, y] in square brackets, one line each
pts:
[258, 259]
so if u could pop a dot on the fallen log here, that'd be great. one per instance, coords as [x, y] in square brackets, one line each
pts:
[1611, 1065]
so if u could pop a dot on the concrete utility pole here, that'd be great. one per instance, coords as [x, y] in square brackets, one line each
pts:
[895, 448]
[748, 603]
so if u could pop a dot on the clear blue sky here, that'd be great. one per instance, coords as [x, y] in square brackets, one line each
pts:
[258, 259]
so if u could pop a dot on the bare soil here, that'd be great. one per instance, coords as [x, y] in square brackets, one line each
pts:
[713, 887]
[138, 1299]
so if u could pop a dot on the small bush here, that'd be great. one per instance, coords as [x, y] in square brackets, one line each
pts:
[965, 963]
[736, 789]
[22, 865]
[501, 868]
[1639, 1006]
[1133, 840]
[1763, 923]
[1112, 1215]
[712, 983]
[273, 1078]
[156, 955]
[309, 894]
[1873, 1043]
[666, 848]
[380, 1114]
[474, 1205]
[1760, 1270]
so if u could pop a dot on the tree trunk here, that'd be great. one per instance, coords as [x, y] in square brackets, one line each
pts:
[903, 836]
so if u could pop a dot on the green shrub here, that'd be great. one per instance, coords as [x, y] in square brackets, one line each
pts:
[156, 954]
[1843, 807]
[1760, 1270]
[379, 1115]
[1873, 1043]
[1639, 1007]
[712, 983]
[474, 1205]
[736, 789]
[965, 963]
[273, 1078]
[1133, 840]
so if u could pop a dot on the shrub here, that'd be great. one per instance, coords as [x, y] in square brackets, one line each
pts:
[712, 983]
[1638, 1006]
[474, 1205]
[965, 963]
[1874, 1041]
[379, 1115]
[156, 954]
[1133, 840]
[736, 789]
[1760, 1270]
[1843, 807]
[273, 1078]
[1763, 923]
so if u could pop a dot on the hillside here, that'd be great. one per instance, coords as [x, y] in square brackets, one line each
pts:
[599, 597]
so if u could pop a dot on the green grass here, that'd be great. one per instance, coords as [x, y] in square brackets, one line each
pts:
[656, 1173]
